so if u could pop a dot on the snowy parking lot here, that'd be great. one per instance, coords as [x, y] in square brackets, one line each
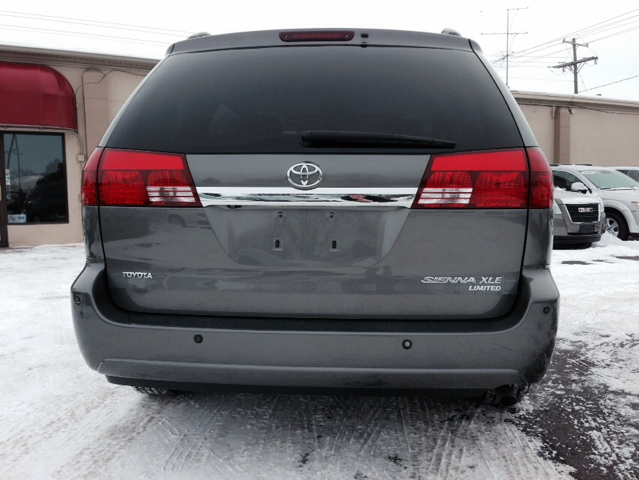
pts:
[61, 420]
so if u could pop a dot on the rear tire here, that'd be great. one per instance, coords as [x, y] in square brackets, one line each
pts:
[616, 225]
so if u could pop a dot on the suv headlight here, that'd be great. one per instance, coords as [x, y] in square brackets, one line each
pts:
[555, 208]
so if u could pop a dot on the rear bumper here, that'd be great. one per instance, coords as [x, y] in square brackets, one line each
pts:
[575, 239]
[513, 349]
[567, 233]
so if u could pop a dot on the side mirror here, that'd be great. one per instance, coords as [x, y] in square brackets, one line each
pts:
[579, 187]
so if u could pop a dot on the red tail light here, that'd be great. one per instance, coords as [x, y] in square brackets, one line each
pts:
[90, 179]
[122, 187]
[475, 180]
[541, 184]
[128, 178]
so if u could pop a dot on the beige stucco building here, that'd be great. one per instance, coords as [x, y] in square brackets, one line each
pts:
[570, 129]
[583, 129]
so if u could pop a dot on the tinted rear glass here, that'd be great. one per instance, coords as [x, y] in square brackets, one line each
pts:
[261, 100]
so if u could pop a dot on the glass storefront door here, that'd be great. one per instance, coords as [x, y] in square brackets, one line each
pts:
[34, 180]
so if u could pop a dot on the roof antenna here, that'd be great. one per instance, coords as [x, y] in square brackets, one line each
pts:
[199, 35]
[450, 31]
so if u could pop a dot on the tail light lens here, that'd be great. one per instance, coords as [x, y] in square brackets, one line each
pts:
[90, 178]
[541, 183]
[475, 180]
[128, 178]
[498, 179]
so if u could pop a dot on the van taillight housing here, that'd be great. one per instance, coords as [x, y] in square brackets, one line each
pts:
[515, 178]
[130, 178]
[541, 183]
[90, 178]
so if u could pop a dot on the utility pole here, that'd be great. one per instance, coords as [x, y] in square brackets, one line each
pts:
[576, 65]
[508, 34]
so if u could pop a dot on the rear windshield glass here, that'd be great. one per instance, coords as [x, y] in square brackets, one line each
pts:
[261, 100]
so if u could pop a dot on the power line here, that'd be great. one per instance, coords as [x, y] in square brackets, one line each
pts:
[581, 77]
[520, 56]
[609, 27]
[516, 64]
[611, 83]
[517, 55]
[543, 79]
[617, 33]
[529, 58]
[120, 26]
[600, 27]
[81, 34]
[524, 66]
[578, 33]
[612, 26]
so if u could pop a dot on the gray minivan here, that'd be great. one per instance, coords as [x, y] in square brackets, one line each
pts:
[348, 209]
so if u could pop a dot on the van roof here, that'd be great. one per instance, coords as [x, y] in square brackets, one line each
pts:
[361, 37]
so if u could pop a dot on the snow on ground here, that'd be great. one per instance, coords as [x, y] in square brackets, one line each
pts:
[600, 308]
[63, 421]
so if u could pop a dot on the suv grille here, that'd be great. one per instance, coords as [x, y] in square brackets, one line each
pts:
[584, 213]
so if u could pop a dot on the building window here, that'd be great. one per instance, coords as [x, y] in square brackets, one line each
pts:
[35, 177]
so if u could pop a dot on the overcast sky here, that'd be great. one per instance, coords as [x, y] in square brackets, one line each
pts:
[146, 29]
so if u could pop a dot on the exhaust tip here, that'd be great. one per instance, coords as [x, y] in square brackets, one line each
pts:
[506, 395]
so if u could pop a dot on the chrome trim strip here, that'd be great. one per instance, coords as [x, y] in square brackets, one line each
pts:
[291, 197]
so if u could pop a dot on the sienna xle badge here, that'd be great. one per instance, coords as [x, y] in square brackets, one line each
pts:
[359, 210]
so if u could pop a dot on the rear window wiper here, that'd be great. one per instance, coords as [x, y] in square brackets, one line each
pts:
[337, 138]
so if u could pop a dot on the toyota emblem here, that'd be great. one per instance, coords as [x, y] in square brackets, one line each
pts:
[304, 175]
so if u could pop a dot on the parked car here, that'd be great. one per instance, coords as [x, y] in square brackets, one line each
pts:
[579, 219]
[632, 172]
[619, 193]
[360, 210]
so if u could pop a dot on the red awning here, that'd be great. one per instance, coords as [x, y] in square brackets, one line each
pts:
[35, 96]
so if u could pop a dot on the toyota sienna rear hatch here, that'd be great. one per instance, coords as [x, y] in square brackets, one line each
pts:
[317, 179]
